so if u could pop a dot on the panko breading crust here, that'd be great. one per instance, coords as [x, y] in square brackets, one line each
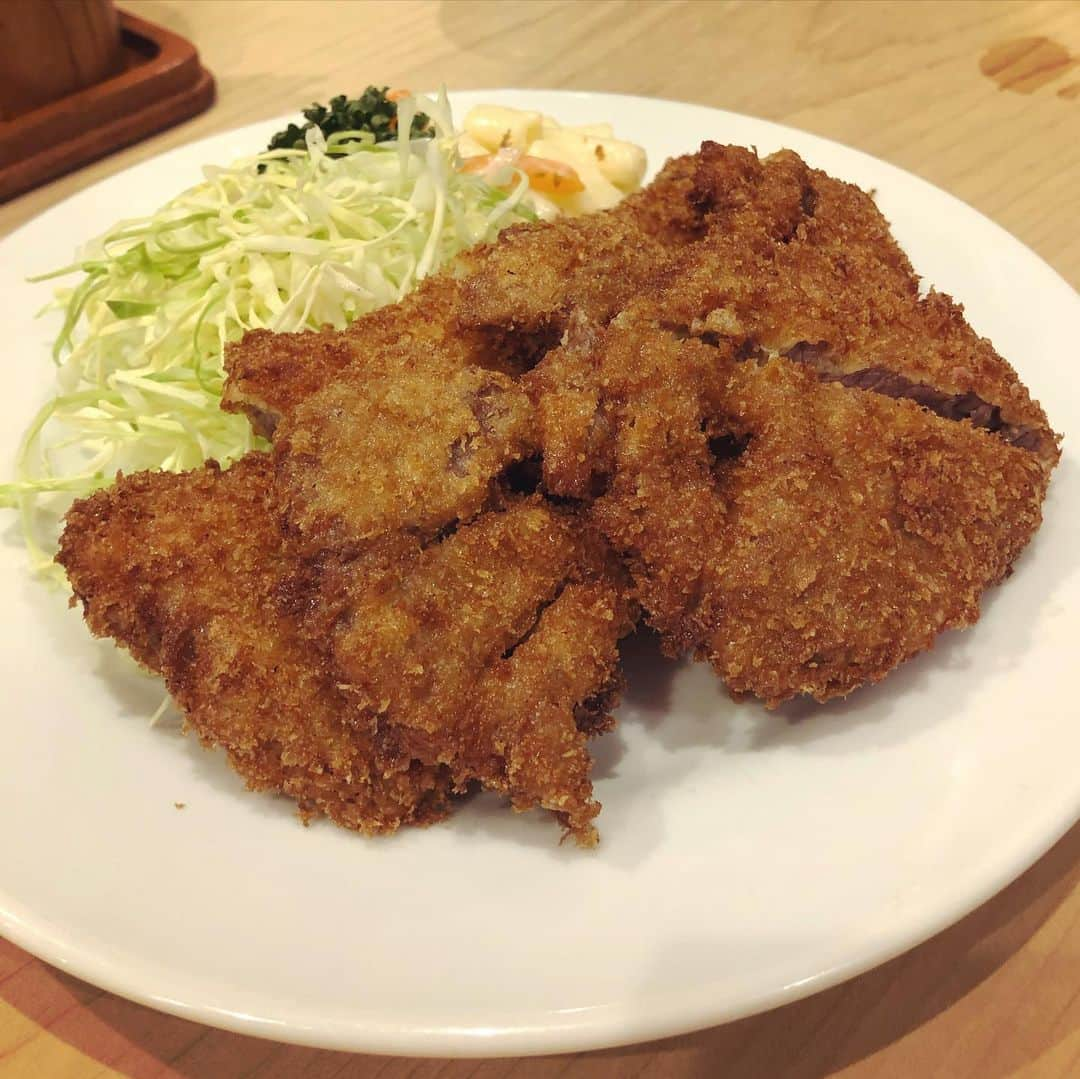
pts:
[740, 412]
[419, 575]
[802, 536]
[810, 471]
[488, 651]
[184, 572]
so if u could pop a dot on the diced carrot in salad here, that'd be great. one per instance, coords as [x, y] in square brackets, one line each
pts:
[545, 175]
[570, 170]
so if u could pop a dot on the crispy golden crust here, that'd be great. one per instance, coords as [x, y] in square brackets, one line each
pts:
[270, 374]
[837, 289]
[764, 438]
[414, 450]
[481, 649]
[444, 324]
[391, 436]
[183, 571]
[840, 541]
[529, 280]
[405, 420]
[535, 277]
[402, 433]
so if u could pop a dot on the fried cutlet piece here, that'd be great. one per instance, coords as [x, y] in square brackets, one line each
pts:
[840, 295]
[405, 420]
[403, 432]
[491, 651]
[803, 536]
[810, 470]
[271, 373]
[184, 572]
[599, 261]
[534, 277]
[749, 207]
[389, 475]
[439, 364]
[529, 281]
[830, 287]
[415, 449]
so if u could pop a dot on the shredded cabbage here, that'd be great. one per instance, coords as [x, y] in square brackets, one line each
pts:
[285, 240]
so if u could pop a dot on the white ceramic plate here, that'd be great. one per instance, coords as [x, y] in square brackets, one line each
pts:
[747, 859]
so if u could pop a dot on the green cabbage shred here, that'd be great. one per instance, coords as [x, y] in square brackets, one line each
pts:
[286, 240]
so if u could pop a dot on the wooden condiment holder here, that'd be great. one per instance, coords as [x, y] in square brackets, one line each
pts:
[158, 82]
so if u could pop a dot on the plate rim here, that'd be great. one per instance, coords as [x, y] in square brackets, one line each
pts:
[604, 1026]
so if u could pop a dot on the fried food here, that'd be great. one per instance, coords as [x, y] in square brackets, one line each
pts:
[728, 269]
[270, 374]
[802, 536]
[413, 450]
[534, 278]
[490, 655]
[534, 275]
[419, 575]
[726, 399]
[406, 419]
[839, 294]
[184, 572]
[491, 651]
[391, 443]
[809, 470]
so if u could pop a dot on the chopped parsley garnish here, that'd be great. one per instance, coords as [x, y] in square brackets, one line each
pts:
[374, 111]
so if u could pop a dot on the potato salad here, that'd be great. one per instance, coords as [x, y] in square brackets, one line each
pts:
[570, 170]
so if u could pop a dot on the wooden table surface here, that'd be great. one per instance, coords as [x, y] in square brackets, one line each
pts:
[982, 99]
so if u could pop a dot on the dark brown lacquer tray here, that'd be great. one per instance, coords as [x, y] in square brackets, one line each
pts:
[160, 82]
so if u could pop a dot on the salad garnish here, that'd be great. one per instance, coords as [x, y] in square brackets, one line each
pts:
[287, 240]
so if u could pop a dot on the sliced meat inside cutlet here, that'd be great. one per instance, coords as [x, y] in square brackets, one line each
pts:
[840, 296]
[803, 536]
[491, 651]
[184, 572]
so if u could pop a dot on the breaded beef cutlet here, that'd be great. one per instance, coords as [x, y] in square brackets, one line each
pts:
[498, 306]
[489, 653]
[741, 412]
[802, 536]
[418, 576]
[404, 419]
[490, 650]
[763, 262]
[809, 470]
[184, 571]
[837, 293]
[395, 436]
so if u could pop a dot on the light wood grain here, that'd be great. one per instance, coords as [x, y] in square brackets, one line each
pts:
[999, 993]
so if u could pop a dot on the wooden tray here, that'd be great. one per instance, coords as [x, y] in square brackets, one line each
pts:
[162, 83]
